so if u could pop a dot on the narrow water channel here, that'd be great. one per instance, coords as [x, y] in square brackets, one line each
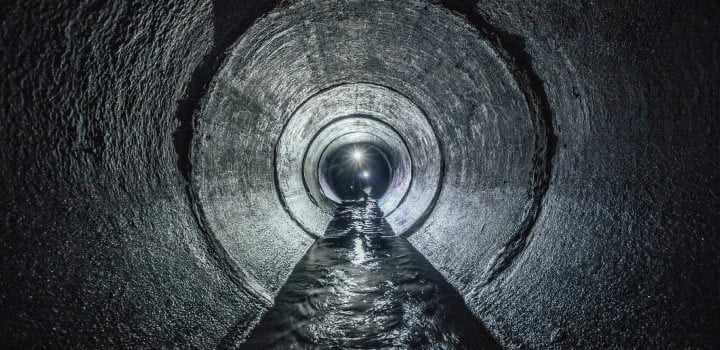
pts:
[363, 287]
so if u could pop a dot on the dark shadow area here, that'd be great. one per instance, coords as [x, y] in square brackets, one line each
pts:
[363, 287]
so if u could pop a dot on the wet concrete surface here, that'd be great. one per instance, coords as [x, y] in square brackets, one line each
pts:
[141, 202]
[360, 286]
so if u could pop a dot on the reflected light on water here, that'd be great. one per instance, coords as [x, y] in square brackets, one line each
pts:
[362, 287]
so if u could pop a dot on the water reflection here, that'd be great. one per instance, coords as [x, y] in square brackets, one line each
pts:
[362, 287]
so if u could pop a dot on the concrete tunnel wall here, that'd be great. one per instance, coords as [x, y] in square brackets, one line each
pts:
[575, 204]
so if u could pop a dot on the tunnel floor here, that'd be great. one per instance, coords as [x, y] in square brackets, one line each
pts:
[361, 286]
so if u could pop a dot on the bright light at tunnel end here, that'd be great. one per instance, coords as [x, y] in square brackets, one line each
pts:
[357, 155]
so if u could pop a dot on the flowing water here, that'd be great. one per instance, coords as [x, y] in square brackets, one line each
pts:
[360, 286]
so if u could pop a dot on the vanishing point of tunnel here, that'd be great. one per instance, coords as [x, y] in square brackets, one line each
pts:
[317, 174]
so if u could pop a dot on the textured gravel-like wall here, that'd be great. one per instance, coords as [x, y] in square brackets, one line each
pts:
[557, 162]
[100, 247]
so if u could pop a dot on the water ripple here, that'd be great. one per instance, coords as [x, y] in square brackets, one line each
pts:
[363, 287]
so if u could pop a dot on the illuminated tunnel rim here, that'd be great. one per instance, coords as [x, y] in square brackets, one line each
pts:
[511, 51]
[406, 151]
[372, 118]
[366, 146]
[419, 222]
[382, 147]
[341, 119]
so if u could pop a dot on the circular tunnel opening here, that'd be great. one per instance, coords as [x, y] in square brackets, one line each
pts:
[356, 171]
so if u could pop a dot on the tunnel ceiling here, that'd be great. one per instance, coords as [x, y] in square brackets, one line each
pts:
[164, 163]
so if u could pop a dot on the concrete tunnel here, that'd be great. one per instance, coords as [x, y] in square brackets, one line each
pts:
[164, 164]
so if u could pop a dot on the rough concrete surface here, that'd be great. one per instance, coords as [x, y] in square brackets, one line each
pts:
[561, 172]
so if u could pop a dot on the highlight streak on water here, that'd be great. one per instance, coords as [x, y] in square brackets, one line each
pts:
[362, 287]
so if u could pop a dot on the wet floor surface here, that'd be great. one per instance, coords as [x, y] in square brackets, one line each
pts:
[362, 287]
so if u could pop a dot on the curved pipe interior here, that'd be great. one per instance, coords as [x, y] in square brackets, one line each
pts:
[164, 163]
[392, 148]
